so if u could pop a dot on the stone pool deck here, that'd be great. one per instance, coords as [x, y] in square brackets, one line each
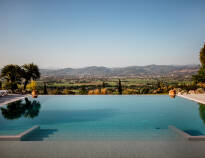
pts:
[11, 98]
[102, 149]
[200, 98]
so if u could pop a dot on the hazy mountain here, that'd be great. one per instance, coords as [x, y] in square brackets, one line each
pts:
[131, 71]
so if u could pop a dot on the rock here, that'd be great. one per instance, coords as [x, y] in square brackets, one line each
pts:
[191, 92]
[183, 92]
[178, 90]
[200, 91]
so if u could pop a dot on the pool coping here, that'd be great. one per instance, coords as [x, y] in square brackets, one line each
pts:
[186, 135]
[26, 133]
[192, 99]
[20, 136]
[13, 100]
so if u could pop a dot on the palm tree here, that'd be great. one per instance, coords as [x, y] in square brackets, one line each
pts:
[12, 75]
[30, 72]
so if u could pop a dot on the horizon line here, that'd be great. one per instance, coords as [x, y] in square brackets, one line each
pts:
[57, 68]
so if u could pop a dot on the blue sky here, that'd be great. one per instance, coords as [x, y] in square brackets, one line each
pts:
[112, 33]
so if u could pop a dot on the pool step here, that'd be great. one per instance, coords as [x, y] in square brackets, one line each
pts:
[186, 135]
[20, 136]
[48, 134]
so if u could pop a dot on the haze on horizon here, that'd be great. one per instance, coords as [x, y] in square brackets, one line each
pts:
[111, 33]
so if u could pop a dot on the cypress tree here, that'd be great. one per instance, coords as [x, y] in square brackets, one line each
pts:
[119, 87]
[103, 84]
[45, 88]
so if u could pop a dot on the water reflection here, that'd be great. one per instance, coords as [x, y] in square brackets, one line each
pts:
[15, 110]
[202, 111]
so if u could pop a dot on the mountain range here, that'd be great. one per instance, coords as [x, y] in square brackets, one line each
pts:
[149, 71]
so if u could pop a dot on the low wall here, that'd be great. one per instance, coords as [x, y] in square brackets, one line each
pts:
[194, 98]
[186, 135]
[20, 136]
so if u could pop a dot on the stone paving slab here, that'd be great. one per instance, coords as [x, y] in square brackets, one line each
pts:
[103, 149]
[200, 98]
[11, 98]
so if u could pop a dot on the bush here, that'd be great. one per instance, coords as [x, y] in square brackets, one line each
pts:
[200, 77]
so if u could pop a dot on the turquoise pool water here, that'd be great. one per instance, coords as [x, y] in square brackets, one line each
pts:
[103, 117]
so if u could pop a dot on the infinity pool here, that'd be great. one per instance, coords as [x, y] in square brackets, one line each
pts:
[102, 117]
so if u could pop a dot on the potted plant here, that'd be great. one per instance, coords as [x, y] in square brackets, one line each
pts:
[34, 91]
[172, 93]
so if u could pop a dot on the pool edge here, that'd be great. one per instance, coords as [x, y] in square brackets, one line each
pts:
[186, 135]
[192, 99]
[20, 136]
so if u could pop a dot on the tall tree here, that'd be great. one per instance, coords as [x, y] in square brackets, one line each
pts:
[12, 75]
[202, 56]
[103, 84]
[200, 77]
[30, 72]
[45, 88]
[119, 87]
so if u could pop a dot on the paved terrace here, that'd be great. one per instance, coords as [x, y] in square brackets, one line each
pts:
[200, 98]
[102, 149]
[11, 98]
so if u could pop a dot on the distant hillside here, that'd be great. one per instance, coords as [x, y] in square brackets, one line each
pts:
[150, 71]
